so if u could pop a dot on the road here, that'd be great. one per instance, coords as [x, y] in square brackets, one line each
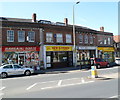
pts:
[72, 84]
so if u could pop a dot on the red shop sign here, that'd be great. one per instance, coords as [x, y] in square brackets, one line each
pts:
[20, 48]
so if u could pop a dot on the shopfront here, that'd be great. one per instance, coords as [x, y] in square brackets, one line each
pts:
[84, 53]
[59, 56]
[106, 53]
[23, 55]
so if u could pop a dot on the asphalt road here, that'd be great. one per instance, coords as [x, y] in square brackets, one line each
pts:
[72, 84]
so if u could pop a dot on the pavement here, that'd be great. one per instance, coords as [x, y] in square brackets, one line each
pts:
[60, 70]
[66, 69]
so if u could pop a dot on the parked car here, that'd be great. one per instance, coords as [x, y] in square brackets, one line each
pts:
[117, 61]
[99, 62]
[14, 69]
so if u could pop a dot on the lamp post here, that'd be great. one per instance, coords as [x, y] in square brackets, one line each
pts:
[74, 47]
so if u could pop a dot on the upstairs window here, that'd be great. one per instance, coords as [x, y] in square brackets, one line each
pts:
[86, 39]
[91, 39]
[21, 36]
[105, 41]
[68, 38]
[109, 40]
[49, 37]
[59, 38]
[80, 38]
[31, 36]
[10, 36]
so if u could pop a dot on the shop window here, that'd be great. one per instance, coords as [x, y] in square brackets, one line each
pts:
[91, 39]
[10, 36]
[81, 38]
[31, 36]
[86, 39]
[68, 38]
[49, 37]
[59, 38]
[21, 36]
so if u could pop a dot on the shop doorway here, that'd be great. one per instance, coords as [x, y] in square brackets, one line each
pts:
[21, 58]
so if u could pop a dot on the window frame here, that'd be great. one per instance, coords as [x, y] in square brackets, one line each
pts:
[68, 38]
[23, 33]
[29, 37]
[49, 39]
[80, 38]
[9, 32]
[91, 39]
[86, 39]
[59, 39]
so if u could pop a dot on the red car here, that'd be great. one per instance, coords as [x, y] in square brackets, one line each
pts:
[99, 62]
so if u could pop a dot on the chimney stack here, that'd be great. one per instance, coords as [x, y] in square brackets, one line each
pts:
[102, 29]
[66, 21]
[34, 17]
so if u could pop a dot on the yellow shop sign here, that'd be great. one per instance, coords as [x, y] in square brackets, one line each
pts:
[58, 48]
[107, 49]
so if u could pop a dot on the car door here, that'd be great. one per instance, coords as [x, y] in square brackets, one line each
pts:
[9, 69]
[18, 69]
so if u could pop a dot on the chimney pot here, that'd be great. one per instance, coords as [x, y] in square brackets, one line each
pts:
[102, 29]
[34, 17]
[66, 21]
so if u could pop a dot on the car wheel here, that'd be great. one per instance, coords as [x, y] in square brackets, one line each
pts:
[98, 66]
[108, 65]
[27, 73]
[4, 75]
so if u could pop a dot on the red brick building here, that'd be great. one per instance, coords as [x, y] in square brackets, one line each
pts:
[34, 42]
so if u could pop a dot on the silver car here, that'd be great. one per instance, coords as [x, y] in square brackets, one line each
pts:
[14, 69]
[117, 61]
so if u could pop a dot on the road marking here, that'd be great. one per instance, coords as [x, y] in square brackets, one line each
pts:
[65, 85]
[1, 94]
[31, 86]
[46, 75]
[114, 96]
[59, 83]
[82, 80]
[2, 88]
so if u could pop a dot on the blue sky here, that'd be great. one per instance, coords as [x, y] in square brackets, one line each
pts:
[88, 14]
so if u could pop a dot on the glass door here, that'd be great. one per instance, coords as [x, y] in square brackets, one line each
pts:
[21, 58]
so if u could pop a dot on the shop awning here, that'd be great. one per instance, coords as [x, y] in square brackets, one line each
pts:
[106, 49]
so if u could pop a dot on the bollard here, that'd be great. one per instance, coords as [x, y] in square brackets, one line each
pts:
[94, 72]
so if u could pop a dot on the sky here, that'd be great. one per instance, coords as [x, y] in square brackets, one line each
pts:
[88, 14]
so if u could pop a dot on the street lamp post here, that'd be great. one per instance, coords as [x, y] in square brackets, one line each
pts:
[74, 47]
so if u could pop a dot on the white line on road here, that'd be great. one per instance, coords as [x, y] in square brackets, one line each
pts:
[31, 86]
[2, 88]
[1, 94]
[82, 80]
[65, 85]
[114, 96]
[59, 83]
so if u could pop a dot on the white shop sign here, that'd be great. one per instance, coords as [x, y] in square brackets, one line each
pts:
[86, 48]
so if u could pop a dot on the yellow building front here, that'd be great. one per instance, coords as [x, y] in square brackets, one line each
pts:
[106, 53]
[58, 56]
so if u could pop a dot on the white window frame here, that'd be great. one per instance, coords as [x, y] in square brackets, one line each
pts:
[86, 39]
[59, 38]
[31, 38]
[68, 38]
[21, 36]
[49, 37]
[81, 38]
[91, 39]
[105, 41]
[109, 40]
[10, 36]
